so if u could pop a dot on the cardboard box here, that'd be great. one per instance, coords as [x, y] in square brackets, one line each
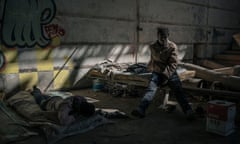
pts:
[221, 117]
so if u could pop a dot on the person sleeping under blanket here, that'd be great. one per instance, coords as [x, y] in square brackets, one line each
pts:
[68, 110]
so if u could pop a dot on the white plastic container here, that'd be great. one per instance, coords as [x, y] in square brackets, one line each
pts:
[221, 117]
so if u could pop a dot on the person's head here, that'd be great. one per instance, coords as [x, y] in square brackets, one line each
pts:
[162, 34]
[84, 108]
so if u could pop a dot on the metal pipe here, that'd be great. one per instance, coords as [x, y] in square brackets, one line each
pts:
[60, 70]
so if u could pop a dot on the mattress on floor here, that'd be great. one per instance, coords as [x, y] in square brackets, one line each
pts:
[24, 104]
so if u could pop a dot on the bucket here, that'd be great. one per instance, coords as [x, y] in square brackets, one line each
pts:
[97, 85]
[221, 117]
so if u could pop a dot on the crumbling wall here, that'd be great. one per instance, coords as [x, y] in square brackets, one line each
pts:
[71, 36]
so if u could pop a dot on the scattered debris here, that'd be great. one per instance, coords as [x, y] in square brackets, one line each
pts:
[231, 82]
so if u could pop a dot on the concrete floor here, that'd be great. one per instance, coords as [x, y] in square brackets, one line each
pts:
[158, 127]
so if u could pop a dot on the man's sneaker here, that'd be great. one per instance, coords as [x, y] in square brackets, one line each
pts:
[170, 108]
[138, 113]
[190, 115]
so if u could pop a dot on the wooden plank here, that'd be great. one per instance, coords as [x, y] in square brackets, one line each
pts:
[237, 38]
[225, 70]
[231, 82]
[227, 57]
[127, 78]
[217, 93]
[235, 70]
[210, 64]
[186, 75]
[228, 62]
[232, 52]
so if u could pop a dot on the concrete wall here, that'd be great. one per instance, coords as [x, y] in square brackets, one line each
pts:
[96, 30]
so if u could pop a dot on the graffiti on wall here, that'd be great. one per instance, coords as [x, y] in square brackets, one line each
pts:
[2, 60]
[24, 22]
[54, 30]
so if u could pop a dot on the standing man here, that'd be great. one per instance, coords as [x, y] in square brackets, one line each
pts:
[163, 64]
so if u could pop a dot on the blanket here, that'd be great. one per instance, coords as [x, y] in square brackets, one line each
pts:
[25, 105]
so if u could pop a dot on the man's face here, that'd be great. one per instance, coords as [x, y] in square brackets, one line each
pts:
[162, 38]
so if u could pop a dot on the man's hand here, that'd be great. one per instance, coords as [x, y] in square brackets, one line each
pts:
[163, 79]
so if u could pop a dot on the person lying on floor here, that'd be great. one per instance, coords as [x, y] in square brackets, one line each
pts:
[68, 110]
